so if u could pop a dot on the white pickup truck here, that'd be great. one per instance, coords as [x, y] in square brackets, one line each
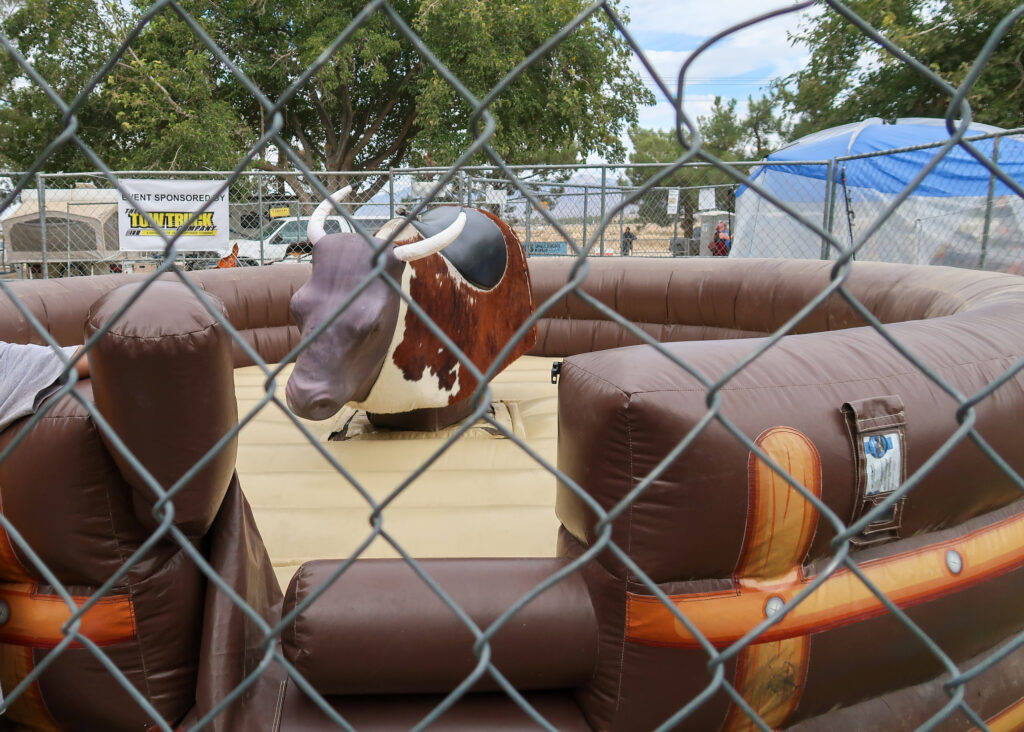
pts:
[287, 239]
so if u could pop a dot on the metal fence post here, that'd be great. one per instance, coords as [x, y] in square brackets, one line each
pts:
[259, 194]
[391, 193]
[988, 206]
[622, 215]
[528, 210]
[586, 191]
[604, 181]
[675, 225]
[828, 213]
[41, 195]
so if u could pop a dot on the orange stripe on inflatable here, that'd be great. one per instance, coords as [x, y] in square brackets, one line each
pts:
[11, 570]
[36, 620]
[28, 710]
[780, 521]
[770, 676]
[907, 579]
[1010, 719]
[780, 527]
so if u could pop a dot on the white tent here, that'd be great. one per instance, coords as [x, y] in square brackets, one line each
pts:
[81, 225]
[843, 179]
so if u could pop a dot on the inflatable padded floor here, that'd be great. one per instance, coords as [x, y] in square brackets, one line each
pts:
[484, 497]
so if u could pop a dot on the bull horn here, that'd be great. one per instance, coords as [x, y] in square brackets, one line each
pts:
[434, 244]
[315, 227]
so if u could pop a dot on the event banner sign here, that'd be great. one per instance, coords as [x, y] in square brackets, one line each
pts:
[170, 204]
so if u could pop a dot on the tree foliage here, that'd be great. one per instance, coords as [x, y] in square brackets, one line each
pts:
[64, 43]
[724, 133]
[378, 102]
[850, 76]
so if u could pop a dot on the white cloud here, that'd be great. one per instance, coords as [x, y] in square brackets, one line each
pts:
[759, 52]
[696, 17]
[662, 116]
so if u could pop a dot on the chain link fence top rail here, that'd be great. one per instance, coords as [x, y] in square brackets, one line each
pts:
[973, 662]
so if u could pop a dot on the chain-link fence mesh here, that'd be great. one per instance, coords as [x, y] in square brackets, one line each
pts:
[69, 227]
[77, 232]
[963, 223]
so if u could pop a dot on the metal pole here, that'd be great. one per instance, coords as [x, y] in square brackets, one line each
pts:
[391, 193]
[830, 202]
[259, 199]
[586, 190]
[849, 210]
[604, 181]
[528, 208]
[622, 213]
[41, 195]
[675, 224]
[988, 207]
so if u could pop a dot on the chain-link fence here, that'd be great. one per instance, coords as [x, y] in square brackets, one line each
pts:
[67, 226]
[811, 529]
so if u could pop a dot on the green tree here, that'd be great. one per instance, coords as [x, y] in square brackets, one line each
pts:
[850, 76]
[166, 101]
[765, 128]
[66, 44]
[376, 104]
[724, 134]
[158, 108]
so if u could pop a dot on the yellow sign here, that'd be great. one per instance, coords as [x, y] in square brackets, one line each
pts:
[170, 221]
[280, 212]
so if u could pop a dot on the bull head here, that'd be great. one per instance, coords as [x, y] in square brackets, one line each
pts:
[343, 362]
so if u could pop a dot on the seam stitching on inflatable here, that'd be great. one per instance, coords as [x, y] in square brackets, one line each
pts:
[773, 387]
[629, 544]
[595, 376]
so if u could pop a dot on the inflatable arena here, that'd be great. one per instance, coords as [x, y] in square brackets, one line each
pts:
[807, 528]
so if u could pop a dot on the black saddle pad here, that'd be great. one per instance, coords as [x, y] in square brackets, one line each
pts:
[479, 253]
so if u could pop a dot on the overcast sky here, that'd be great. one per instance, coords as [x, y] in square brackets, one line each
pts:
[739, 65]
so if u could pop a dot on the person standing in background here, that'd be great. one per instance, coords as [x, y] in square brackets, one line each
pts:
[626, 246]
[721, 242]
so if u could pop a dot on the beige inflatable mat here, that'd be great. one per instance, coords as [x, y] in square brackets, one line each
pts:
[483, 497]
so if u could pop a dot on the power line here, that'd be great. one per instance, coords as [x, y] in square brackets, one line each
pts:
[709, 80]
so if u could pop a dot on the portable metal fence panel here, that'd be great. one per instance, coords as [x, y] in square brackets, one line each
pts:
[584, 218]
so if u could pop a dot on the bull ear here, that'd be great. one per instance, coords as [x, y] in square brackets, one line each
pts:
[434, 244]
[315, 227]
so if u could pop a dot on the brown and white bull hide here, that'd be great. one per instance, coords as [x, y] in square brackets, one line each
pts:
[353, 361]
[481, 322]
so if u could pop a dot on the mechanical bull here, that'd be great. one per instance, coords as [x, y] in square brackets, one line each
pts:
[464, 267]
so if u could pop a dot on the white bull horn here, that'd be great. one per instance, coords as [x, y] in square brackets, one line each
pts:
[315, 227]
[434, 244]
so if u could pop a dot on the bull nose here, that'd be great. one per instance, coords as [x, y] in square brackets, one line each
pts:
[310, 404]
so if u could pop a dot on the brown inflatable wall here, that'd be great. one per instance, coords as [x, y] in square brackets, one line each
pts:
[256, 300]
[699, 530]
[707, 528]
[85, 511]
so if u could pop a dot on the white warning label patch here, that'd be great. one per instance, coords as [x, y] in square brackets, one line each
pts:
[883, 455]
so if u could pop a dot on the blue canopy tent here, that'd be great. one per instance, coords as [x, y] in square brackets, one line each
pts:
[844, 178]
